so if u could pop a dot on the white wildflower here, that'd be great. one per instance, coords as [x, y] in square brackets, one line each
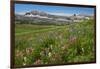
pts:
[25, 59]
[49, 54]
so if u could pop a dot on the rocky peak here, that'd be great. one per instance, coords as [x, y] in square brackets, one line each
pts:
[35, 12]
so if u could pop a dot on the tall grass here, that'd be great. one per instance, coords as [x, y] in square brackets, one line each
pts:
[66, 44]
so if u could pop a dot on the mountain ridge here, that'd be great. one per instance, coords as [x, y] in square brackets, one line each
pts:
[44, 17]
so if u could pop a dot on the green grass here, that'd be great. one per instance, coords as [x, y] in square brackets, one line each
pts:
[51, 44]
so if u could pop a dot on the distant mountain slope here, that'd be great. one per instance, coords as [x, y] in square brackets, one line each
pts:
[40, 17]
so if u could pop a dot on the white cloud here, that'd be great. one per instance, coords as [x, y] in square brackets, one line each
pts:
[60, 14]
[20, 13]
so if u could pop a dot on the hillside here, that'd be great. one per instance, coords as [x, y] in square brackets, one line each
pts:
[40, 17]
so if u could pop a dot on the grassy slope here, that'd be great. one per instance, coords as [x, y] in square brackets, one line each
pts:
[35, 29]
[36, 44]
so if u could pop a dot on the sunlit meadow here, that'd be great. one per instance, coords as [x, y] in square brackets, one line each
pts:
[52, 44]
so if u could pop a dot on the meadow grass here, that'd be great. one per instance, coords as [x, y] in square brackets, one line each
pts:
[51, 44]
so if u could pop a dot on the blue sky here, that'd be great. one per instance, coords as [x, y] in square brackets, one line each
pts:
[53, 9]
